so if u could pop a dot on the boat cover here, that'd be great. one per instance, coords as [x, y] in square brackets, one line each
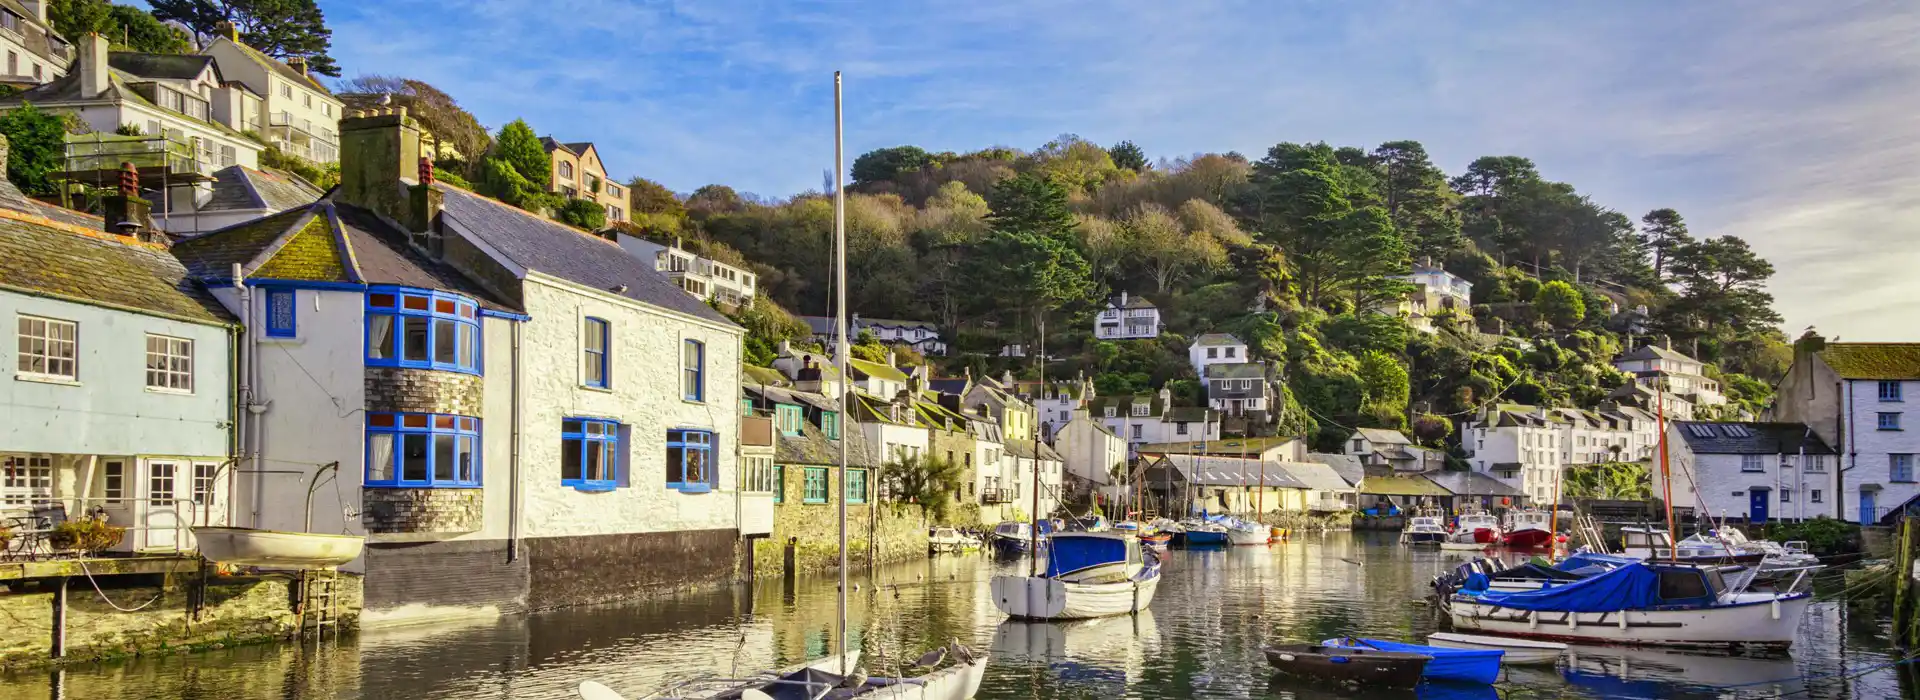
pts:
[1630, 587]
[1471, 665]
[1584, 564]
[1071, 553]
[1531, 570]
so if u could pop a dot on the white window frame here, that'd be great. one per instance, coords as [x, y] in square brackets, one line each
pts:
[26, 479]
[114, 481]
[1752, 463]
[173, 372]
[40, 329]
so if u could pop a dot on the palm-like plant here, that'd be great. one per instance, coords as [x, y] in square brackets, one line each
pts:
[931, 482]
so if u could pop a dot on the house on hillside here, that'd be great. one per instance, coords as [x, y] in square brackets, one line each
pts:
[120, 399]
[1435, 292]
[1754, 472]
[1379, 447]
[1057, 401]
[1127, 317]
[579, 174]
[237, 194]
[1092, 453]
[1152, 418]
[1854, 396]
[1240, 390]
[301, 117]
[1655, 366]
[36, 53]
[922, 336]
[704, 278]
[510, 402]
[1216, 348]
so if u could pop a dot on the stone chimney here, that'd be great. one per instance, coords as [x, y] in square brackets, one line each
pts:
[227, 31]
[892, 359]
[377, 149]
[126, 213]
[92, 66]
[38, 8]
[298, 64]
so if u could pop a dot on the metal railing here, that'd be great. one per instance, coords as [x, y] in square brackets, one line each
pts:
[993, 496]
[30, 525]
[108, 151]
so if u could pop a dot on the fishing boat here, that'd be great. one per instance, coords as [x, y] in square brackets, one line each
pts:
[1013, 538]
[946, 539]
[1519, 652]
[1358, 667]
[1526, 529]
[1639, 603]
[1484, 527]
[1088, 575]
[1448, 664]
[1425, 528]
[1158, 540]
[1200, 533]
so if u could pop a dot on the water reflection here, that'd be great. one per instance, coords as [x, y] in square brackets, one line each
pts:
[1202, 639]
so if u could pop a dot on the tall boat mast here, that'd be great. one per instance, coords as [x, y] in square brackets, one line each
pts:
[840, 343]
[1666, 475]
[1033, 562]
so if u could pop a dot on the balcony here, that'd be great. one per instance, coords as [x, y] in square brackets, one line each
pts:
[756, 431]
[995, 496]
[296, 139]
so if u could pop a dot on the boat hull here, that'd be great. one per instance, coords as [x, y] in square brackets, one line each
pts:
[1042, 598]
[956, 682]
[1448, 664]
[1527, 538]
[1204, 539]
[1364, 668]
[1011, 546]
[1767, 624]
[1464, 546]
[1423, 537]
[273, 549]
[1519, 652]
[1246, 537]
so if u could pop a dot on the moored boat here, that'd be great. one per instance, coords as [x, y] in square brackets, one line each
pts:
[1088, 575]
[1424, 529]
[1360, 667]
[1519, 652]
[1484, 527]
[1448, 664]
[1527, 529]
[1200, 533]
[946, 539]
[274, 549]
[1639, 604]
[1013, 538]
[1240, 532]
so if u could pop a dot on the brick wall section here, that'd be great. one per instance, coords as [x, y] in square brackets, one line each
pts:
[454, 573]
[587, 569]
[423, 391]
[389, 511]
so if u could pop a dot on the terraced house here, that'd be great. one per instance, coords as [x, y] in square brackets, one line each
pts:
[119, 400]
[1854, 397]
[520, 416]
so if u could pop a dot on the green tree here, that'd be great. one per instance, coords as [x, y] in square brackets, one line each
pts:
[886, 164]
[1417, 199]
[1304, 202]
[648, 197]
[1386, 389]
[1560, 304]
[517, 170]
[36, 145]
[931, 482]
[279, 28]
[1031, 204]
[1128, 156]
[1076, 164]
[128, 28]
[1723, 285]
[1663, 231]
[583, 213]
[1166, 248]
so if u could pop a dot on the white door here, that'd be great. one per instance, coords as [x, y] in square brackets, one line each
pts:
[161, 513]
[117, 493]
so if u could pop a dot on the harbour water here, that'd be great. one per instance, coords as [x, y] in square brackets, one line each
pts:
[1201, 639]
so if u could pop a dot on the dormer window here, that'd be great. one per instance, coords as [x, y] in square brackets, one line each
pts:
[1109, 411]
[1139, 409]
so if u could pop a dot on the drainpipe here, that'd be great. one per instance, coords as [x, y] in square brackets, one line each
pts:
[1846, 438]
[235, 417]
[247, 365]
[513, 459]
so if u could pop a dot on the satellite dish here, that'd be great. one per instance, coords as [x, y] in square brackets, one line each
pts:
[590, 690]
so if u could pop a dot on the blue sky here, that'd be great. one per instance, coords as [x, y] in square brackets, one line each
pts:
[1790, 124]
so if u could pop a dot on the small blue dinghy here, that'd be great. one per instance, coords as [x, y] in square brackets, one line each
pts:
[1470, 665]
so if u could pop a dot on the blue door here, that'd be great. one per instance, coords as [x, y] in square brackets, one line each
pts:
[1866, 508]
[1757, 505]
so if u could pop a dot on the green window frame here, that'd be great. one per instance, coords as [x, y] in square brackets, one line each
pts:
[779, 483]
[856, 486]
[746, 407]
[789, 419]
[830, 424]
[813, 485]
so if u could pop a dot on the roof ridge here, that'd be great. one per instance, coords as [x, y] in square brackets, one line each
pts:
[104, 236]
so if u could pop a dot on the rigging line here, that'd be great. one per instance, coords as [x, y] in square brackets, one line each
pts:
[109, 601]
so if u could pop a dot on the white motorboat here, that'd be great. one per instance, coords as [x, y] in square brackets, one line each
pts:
[1243, 532]
[946, 539]
[274, 549]
[1519, 652]
[1638, 604]
[1089, 575]
[1426, 528]
[1483, 527]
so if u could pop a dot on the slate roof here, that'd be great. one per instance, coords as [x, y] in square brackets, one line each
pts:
[67, 89]
[1134, 301]
[551, 144]
[1123, 405]
[580, 148]
[948, 385]
[36, 42]
[1217, 339]
[1228, 447]
[1471, 484]
[160, 65]
[1655, 352]
[812, 447]
[1750, 438]
[1873, 360]
[1237, 370]
[44, 257]
[1401, 486]
[535, 243]
[1316, 476]
[239, 187]
[823, 325]
[1347, 466]
[325, 241]
[1233, 471]
[283, 69]
[1382, 436]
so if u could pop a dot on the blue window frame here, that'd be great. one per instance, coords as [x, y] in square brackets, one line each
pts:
[690, 465]
[813, 486]
[595, 338]
[422, 329]
[856, 486]
[1900, 468]
[693, 360]
[1888, 421]
[422, 450]
[590, 454]
[281, 318]
[1890, 391]
[779, 483]
[830, 424]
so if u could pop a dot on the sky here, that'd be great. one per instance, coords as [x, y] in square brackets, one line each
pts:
[1790, 124]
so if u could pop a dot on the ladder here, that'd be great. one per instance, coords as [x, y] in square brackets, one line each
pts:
[319, 605]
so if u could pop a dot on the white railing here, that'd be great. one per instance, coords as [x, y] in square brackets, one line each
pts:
[30, 524]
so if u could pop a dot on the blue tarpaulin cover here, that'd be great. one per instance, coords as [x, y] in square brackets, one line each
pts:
[1073, 552]
[1470, 665]
[1630, 587]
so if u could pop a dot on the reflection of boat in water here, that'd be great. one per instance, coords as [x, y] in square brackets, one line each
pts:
[1603, 668]
[1107, 654]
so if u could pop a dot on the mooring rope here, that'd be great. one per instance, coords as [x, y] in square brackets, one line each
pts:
[109, 601]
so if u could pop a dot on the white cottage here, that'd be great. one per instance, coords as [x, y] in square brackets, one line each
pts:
[120, 399]
[1127, 317]
[1754, 472]
[507, 399]
[1854, 396]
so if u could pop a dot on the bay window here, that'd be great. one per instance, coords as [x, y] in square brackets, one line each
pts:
[422, 450]
[590, 454]
[422, 329]
[690, 465]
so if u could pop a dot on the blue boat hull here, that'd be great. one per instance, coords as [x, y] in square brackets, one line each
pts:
[1469, 665]
[1205, 539]
[1010, 546]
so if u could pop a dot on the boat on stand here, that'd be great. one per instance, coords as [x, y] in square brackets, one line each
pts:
[1088, 575]
[949, 672]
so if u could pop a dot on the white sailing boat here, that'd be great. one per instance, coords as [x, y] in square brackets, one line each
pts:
[951, 672]
[1089, 575]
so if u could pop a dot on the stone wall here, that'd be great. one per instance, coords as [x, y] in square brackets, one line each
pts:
[399, 389]
[587, 569]
[470, 574]
[239, 610]
[815, 527]
[390, 511]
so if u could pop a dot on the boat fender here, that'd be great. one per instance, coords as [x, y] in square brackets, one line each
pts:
[1623, 619]
[1775, 606]
[1286, 657]
[1573, 620]
[1533, 621]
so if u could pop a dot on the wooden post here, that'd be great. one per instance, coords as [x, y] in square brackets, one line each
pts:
[59, 618]
[1903, 604]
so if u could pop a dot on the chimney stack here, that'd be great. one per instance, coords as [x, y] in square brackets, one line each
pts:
[92, 66]
[126, 213]
[227, 31]
[298, 64]
[379, 148]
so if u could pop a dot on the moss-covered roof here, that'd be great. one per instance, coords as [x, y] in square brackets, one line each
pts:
[308, 255]
[766, 376]
[879, 370]
[44, 257]
[1873, 360]
[1401, 486]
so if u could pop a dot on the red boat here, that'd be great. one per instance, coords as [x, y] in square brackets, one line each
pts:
[1526, 538]
[1158, 539]
[1527, 528]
